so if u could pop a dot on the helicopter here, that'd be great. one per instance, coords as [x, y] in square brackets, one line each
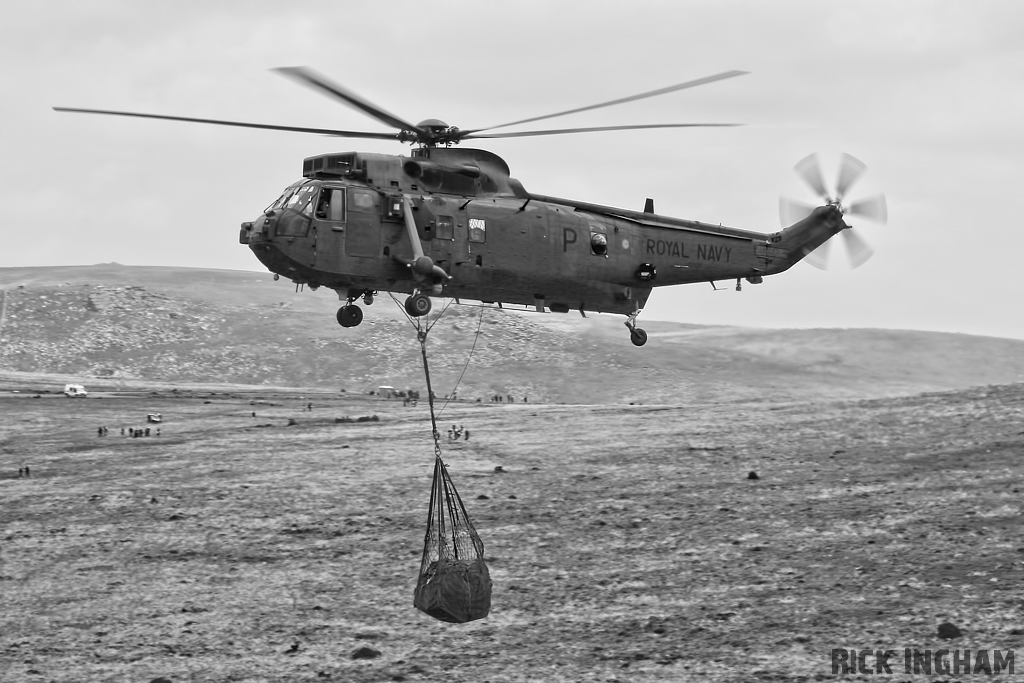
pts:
[448, 221]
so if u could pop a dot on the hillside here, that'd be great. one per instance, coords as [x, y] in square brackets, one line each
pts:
[110, 325]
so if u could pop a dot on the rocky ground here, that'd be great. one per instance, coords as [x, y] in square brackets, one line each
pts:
[626, 543]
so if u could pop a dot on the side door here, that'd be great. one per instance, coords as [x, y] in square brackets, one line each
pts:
[442, 231]
[329, 222]
[363, 225]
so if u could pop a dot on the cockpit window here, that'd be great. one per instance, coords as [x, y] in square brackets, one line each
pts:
[331, 205]
[288, 191]
[302, 199]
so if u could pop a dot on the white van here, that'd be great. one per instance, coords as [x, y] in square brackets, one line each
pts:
[75, 390]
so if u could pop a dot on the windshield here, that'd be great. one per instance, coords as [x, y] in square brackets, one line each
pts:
[286, 195]
[302, 199]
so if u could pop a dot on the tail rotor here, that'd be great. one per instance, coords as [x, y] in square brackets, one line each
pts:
[873, 208]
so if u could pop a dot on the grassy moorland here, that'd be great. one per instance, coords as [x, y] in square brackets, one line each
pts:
[116, 325]
[626, 543]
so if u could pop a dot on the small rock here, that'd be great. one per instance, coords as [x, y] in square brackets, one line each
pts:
[160, 679]
[752, 475]
[366, 653]
[499, 468]
[483, 497]
[369, 635]
[948, 631]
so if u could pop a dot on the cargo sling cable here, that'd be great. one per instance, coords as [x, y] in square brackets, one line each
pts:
[454, 584]
[418, 325]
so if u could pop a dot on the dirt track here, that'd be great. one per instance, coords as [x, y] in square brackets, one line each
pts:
[625, 543]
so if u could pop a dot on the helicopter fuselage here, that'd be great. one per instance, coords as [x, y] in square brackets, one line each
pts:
[345, 226]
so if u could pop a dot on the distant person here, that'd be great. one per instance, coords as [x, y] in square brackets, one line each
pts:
[467, 435]
[28, 472]
[158, 431]
[147, 431]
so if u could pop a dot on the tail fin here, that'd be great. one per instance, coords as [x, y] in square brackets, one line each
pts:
[806, 235]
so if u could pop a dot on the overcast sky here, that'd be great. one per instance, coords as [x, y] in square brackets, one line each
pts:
[930, 95]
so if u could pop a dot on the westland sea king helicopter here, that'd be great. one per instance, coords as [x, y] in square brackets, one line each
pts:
[452, 222]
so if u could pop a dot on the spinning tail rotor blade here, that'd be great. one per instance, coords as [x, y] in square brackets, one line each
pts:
[856, 248]
[850, 169]
[873, 208]
[819, 257]
[792, 211]
[809, 169]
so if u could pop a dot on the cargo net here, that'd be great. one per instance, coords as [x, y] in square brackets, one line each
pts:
[453, 584]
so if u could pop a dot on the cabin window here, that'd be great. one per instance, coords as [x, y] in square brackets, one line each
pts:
[598, 244]
[477, 230]
[331, 205]
[445, 229]
[362, 201]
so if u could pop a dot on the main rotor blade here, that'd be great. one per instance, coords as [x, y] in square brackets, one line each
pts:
[792, 211]
[856, 248]
[850, 169]
[307, 76]
[622, 100]
[873, 208]
[238, 124]
[819, 257]
[595, 129]
[809, 169]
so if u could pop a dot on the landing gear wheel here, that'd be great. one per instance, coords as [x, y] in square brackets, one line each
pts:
[350, 315]
[637, 336]
[417, 305]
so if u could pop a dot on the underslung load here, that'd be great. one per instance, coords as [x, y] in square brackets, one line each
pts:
[454, 584]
